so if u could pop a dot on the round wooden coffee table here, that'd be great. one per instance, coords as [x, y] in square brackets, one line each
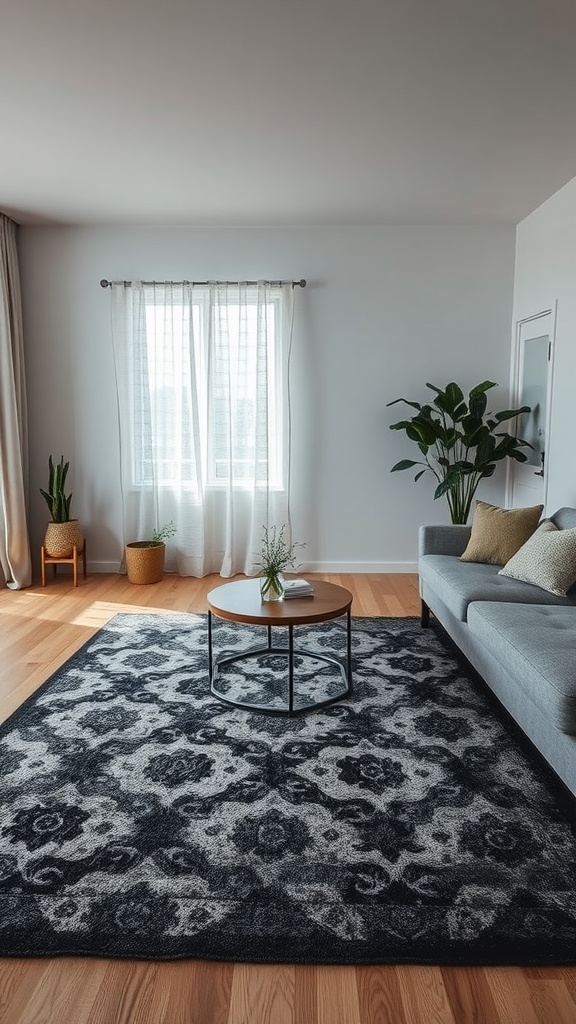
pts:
[241, 602]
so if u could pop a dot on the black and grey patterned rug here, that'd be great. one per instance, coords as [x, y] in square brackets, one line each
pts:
[141, 817]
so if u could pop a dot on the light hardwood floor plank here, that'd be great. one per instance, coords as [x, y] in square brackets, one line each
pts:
[214, 986]
[379, 995]
[18, 980]
[263, 993]
[424, 997]
[66, 991]
[126, 995]
[551, 1000]
[568, 976]
[337, 995]
[511, 995]
[469, 995]
[305, 995]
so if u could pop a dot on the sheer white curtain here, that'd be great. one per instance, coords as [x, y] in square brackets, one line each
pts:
[15, 564]
[203, 401]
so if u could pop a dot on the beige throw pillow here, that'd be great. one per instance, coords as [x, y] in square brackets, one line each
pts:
[498, 533]
[547, 560]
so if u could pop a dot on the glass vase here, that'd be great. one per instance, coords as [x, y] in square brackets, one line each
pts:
[272, 586]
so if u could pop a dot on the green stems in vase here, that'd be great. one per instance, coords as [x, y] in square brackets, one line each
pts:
[276, 555]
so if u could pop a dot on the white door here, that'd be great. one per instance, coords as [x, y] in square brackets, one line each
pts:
[533, 362]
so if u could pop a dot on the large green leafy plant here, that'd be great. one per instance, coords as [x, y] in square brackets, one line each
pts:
[459, 441]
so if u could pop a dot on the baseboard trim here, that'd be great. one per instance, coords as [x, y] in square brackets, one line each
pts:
[366, 567]
[331, 567]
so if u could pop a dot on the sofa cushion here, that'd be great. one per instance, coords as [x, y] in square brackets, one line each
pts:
[564, 518]
[498, 533]
[536, 645]
[458, 583]
[547, 559]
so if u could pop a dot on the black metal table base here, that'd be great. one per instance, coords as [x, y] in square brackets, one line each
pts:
[345, 669]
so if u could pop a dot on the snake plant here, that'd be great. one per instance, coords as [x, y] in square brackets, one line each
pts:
[57, 501]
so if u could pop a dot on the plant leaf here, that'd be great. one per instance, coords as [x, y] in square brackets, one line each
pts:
[421, 431]
[404, 464]
[480, 388]
[414, 405]
[442, 488]
[509, 414]
[460, 412]
[454, 395]
[485, 447]
[478, 405]
[450, 439]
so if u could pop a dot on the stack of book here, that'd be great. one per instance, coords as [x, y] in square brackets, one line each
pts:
[297, 588]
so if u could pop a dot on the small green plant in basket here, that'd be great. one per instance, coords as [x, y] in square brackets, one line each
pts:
[56, 499]
[145, 558]
[161, 535]
[63, 534]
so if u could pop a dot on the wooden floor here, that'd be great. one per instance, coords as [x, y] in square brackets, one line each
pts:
[39, 629]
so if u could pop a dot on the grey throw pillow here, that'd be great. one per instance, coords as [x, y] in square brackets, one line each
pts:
[547, 560]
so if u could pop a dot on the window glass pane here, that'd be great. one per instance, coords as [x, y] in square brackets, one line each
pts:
[207, 397]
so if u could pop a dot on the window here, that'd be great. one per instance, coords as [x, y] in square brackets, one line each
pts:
[207, 392]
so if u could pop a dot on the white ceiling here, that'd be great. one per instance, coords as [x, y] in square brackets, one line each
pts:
[285, 111]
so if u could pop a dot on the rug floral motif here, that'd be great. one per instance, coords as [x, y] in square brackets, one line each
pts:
[143, 817]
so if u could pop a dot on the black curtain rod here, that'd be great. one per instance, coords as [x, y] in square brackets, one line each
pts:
[127, 284]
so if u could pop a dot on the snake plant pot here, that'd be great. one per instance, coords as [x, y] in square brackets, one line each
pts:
[145, 561]
[61, 538]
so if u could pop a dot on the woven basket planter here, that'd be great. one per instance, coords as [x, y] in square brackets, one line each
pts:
[61, 538]
[145, 561]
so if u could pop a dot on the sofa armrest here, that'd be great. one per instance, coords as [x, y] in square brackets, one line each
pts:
[443, 540]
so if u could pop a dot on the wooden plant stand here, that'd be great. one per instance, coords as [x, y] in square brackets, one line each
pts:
[68, 560]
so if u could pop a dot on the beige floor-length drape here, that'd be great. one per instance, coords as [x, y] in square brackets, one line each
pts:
[15, 564]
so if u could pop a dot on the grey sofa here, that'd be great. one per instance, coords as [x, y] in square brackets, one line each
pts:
[521, 639]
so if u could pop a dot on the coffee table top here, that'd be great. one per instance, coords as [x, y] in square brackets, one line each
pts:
[240, 601]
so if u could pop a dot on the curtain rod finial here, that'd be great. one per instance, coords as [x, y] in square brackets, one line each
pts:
[104, 283]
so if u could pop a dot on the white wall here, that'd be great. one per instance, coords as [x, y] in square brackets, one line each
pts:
[546, 275]
[385, 310]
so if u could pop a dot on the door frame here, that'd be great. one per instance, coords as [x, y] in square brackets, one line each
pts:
[516, 387]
